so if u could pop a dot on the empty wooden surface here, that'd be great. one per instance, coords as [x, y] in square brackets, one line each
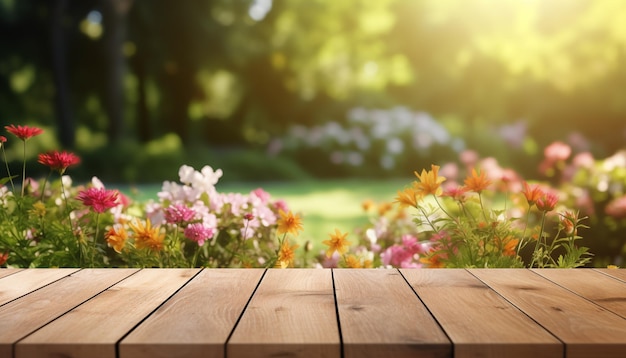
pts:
[312, 313]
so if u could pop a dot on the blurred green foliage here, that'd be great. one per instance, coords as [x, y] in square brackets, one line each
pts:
[139, 87]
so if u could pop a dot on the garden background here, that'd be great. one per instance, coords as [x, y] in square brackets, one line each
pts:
[317, 99]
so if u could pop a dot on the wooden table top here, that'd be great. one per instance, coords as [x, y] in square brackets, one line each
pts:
[312, 313]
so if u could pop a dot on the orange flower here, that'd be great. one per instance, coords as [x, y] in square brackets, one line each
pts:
[429, 181]
[146, 236]
[532, 193]
[337, 243]
[352, 261]
[433, 261]
[4, 258]
[367, 204]
[116, 238]
[508, 245]
[286, 255]
[289, 223]
[477, 183]
[407, 197]
[383, 208]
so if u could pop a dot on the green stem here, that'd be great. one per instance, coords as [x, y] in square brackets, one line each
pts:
[24, 168]
[6, 163]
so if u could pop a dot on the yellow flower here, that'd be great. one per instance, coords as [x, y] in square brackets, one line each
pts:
[39, 209]
[289, 223]
[408, 197]
[337, 243]
[286, 255]
[429, 181]
[146, 236]
[116, 238]
[612, 267]
[352, 261]
[477, 183]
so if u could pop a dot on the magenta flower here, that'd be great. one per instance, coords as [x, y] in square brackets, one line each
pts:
[178, 214]
[99, 199]
[58, 161]
[199, 233]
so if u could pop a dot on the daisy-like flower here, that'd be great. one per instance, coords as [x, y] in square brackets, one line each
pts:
[199, 233]
[568, 222]
[58, 161]
[547, 202]
[337, 243]
[408, 197]
[116, 238]
[286, 255]
[477, 183]
[147, 236]
[429, 181]
[532, 193]
[3, 139]
[289, 223]
[23, 132]
[99, 199]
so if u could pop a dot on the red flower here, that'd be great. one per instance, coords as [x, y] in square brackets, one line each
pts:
[58, 161]
[99, 200]
[547, 202]
[3, 139]
[4, 258]
[23, 132]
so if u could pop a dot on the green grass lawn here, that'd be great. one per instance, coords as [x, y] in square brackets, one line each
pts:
[323, 205]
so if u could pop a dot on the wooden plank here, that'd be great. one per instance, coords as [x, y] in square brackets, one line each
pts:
[478, 321]
[23, 316]
[380, 315]
[8, 271]
[197, 321]
[92, 329]
[587, 329]
[617, 273]
[292, 313]
[25, 281]
[606, 291]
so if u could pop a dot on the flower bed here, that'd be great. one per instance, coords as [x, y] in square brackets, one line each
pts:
[487, 221]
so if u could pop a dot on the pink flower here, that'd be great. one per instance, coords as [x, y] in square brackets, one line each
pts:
[199, 233]
[557, 151]
[262, 195]
[23, 132]
[99, 199]
[178, 214]
[58, 161]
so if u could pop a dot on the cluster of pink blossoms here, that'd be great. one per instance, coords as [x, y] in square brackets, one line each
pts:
[195, 206]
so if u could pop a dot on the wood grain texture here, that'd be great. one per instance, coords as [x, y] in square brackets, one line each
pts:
[21, 317]
[8, 271]
[606, 291]
[380, 315]
[197, 321]
[292, 314]
[479, 322]
[92, 329]
[619, 274]
[587, 329]
[25, 281]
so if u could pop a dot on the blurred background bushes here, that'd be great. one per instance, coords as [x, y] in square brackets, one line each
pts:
[280, 90]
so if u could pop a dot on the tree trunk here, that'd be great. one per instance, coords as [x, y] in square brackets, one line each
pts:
[114, 21]
[65, 121]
